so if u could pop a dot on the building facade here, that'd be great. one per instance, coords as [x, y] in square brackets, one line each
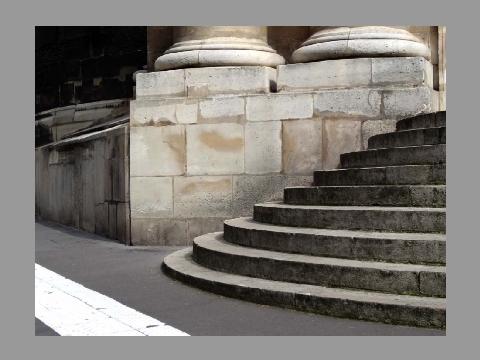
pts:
[223, 117]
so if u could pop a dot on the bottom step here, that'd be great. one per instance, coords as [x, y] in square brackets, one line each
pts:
[362, 305]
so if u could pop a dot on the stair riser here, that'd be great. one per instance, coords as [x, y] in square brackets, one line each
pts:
[418, 137]
[423, 121]
[367, 196]
[370, 311]
[400, 251]
[427, 155]
[392, 220]
[401, 175]
[396, 282]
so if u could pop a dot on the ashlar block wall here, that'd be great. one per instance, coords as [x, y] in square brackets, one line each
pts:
[206, 144]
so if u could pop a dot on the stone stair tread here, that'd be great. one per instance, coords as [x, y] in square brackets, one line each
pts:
[182, 262]
[383, 175]
[379, 150]
[401, 155]
[375, 167]
[406, 138]
[391, 186]
[215, 242]
[435, 119]
[281, 205]
[249, 223]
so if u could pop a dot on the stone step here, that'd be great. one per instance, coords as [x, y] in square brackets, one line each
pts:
[415, 137]
[385, 175]
[211, 251]
[437, 119]
[376, 195]
[361, 245]
[356, 304]
[411, 155]
[392, 219]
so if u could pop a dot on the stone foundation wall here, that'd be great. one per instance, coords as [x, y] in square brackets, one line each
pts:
[209, 143]
[83, 182]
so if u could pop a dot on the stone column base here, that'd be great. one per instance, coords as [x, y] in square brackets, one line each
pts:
[361, 41]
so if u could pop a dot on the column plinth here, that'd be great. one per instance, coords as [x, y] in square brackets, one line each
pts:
[328, 43]
[204, 46]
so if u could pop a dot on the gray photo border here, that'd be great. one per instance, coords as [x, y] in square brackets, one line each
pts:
[19, 19]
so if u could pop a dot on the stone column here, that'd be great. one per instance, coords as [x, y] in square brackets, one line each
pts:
[328, 43]
[442, 68]
[203, 46]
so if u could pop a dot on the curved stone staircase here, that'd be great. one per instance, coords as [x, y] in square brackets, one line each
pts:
[367, 241]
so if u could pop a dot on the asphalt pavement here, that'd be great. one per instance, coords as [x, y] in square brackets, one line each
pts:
[133, 276]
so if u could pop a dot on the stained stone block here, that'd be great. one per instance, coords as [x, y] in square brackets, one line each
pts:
[302, 146]
[157, 151]
[166, 232]
[163, 112]
[400, 103]
[226, 109]
[348, 103]
[263, 147]
[215, 149]
[409, 71]
[249, 190]
[324, 74]
[375, 127]
[279, 107]
[151, 197]
[341, 136]
[201, 82]
[161, 83]
[203, 196]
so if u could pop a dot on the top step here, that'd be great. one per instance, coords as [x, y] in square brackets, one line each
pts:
[436, 119]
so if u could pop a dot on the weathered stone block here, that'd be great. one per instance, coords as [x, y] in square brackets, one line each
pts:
[400, 103]
[99, 158]
[157, 151]
[162, 83]
[226, 109]
[324, 74]
[200, 226]
[163, 112]
[215, 149]
[159, 232]
[151, 197]
[341, 136]
[263, 147]
[249, 190]
[302, 146]
[123, 222]
[351, 103]
[407, 71]
[292, 180]
[112, 221]
[279, 107]
[64, 115]
[201, 82]
[203, 196]
[101, 219]
[186, 112]
[375, 127]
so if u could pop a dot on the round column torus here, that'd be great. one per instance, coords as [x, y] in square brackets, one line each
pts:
[328, 43]
[204, 46]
